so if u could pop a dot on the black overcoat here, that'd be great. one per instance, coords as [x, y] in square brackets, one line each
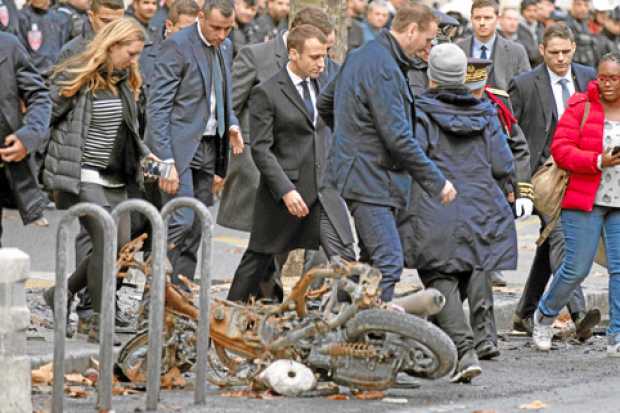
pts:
[290, 154]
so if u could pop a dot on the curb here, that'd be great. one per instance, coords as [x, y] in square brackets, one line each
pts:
[505, 309]
[76, 360]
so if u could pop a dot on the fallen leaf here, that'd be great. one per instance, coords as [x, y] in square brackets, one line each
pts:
[76, 392]
[369, 395]
[173, 379]
[43, 375]
[338, 397]
[269, 395]
[123, 391]
[76, 378]
[535, 405]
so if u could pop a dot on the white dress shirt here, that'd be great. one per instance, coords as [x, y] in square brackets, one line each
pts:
[477, 47]
[297, 82]
[211, 128]
[557, 89]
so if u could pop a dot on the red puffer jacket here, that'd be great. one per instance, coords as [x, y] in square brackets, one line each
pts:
[577, 151]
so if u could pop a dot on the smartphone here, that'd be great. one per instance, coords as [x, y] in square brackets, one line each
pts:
[154, 169]
[615, 150]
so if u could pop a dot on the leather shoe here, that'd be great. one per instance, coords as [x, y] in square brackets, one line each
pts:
[523, 325]
[487, 350]
[585, 322]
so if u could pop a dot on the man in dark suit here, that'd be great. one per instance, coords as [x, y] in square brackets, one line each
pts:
[20, 134]
[289, 145]
[190, 119]
[253, 65]
[509, 58]
[539, 98]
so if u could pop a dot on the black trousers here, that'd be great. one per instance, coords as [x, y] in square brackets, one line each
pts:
[456, 288]
[184, 231]
[256, 269]
[547, 261]
[89, 271]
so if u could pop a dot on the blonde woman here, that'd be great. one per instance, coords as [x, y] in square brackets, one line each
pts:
[95, 148]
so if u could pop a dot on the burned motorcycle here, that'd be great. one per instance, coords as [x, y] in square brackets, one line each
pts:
[340, 331]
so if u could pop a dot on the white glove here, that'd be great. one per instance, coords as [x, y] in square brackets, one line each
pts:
[524, 207]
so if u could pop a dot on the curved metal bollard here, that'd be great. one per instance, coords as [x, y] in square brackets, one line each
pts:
[206, 220]
[158, 283]
[60, 303]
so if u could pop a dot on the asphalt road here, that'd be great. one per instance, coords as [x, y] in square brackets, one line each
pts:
[571, 378]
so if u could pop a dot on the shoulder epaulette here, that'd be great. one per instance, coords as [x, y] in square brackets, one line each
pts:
[499, 92]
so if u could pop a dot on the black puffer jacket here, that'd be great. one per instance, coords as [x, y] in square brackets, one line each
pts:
[70, 122]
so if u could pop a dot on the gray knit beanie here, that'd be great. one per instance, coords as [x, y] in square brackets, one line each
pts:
[447, 64]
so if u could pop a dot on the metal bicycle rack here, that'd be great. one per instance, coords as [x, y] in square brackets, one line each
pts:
[158, 283]
[104, 385]
[159, 228]
[157, 305]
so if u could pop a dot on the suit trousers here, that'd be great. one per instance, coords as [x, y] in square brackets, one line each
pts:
[472, 286]
[88, 272]
[547, 261]
[195, 182]
[255, 268]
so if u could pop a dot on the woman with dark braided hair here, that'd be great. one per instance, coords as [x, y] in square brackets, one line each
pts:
[587, 145]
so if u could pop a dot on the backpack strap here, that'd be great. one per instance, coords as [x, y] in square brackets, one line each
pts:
[586, 113]
[556, 217]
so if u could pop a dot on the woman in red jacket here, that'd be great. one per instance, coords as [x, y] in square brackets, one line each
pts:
[591, 205]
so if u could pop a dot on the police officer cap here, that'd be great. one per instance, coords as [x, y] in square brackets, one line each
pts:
[445, 20]
[477, 73]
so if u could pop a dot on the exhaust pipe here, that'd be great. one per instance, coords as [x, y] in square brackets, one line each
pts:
[423, 303]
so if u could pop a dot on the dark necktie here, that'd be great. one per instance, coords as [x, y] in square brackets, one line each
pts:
[565, 91]
[307, 99]
[483, 52]
[218, 83]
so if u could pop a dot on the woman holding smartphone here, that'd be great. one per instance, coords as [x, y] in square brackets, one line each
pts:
[95, 148]
[591, 204]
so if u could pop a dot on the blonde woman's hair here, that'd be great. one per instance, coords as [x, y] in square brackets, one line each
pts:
[84, 69]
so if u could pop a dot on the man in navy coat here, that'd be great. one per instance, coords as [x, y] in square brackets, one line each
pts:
[374, 153]
[190, 119]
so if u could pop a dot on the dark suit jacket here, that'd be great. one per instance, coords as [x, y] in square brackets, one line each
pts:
[534, 107]
[525, 38]
[290, 153]
[509, 60]
[254, 64]
[179, 99]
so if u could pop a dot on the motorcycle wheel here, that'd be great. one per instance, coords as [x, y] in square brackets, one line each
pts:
[431, 349]
[132, 359]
